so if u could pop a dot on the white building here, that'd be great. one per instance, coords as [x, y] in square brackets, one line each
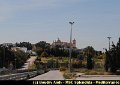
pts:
[24, 49]
[8, 44]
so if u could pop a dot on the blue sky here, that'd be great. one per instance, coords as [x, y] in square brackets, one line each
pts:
[37, 20]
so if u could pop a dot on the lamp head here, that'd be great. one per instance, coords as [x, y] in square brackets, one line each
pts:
[109, 38]
[71, 22]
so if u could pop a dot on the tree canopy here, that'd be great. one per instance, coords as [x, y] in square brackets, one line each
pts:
[112, 61]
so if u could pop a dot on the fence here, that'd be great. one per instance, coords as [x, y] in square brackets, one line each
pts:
[19, 76]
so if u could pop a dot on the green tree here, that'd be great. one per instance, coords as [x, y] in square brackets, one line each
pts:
[39, 65]
[80, 56]
[44, 54]
[17, 58]
[112, 60]
[107, 61]
[39, 51]
[90, 62]
[43, 45]
[90, 56]
[21, 57]
[6, 56]
[24, 44]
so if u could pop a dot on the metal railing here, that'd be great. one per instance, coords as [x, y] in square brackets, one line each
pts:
[19, 76]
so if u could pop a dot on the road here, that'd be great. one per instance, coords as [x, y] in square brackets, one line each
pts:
[56, 75]
[28, 63]
[51, 75]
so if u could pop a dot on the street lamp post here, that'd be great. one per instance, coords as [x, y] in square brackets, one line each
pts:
[28, 66]
[109, 41]
[70, 50]
[15, 63]
[3, 56]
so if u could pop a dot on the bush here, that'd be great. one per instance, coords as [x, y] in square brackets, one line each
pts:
[91, 72]
[68, 75]
[83, 70]
[98, 65]
[64, 64]
[50, 63]
[100, 57]
[77, 64]
[84, 64]
[62, 69]
[44, 54]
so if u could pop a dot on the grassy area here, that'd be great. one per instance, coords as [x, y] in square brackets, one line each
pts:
[93, 72]
[60, 60]
[33, 66]
[99, 71]
[98, 67]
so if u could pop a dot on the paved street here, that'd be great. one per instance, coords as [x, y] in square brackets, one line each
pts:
[51, 75]
[28, 63]
[57, 75]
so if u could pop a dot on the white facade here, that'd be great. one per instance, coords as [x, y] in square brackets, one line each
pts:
[24, 49]
[8, 44]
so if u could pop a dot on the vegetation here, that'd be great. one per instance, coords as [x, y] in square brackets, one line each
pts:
[77, 64]
[20, 57]
[90, 52]
[62, 69]
[16, 58]
[68, 75]
[24, 44]
[44, 54]
[58, 57]
[93, 72]
[112, 61]
[57, 51]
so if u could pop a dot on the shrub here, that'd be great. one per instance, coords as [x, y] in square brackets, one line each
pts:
[77, 64]
[100, 57]
[92, 72]
[68, 75]
[62, 69]
[50, 63]
[64, 64]
[98, 65]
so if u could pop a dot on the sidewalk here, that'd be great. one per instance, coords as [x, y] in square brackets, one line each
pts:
[51, 75]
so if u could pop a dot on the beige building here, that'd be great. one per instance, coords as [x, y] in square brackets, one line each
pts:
[64, 44]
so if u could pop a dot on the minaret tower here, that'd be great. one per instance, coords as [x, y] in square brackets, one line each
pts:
[74, 43]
